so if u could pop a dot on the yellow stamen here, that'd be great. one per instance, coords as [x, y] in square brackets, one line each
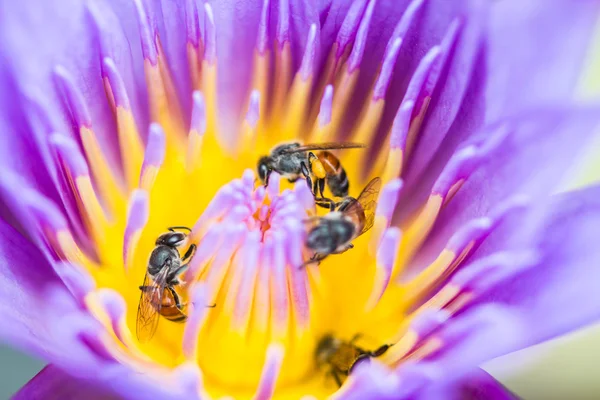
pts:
[132, 150]
[417, 230]
[107, 184]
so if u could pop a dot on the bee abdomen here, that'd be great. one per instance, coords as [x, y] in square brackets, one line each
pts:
[173, 314]
[339, 184]
[180, 318]
[337, 180]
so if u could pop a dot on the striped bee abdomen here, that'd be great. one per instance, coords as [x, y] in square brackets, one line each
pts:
[337, 180]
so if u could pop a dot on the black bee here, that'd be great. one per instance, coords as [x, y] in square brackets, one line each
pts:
[159, 296]
[341, 356]
[334, 232]
[294, 161]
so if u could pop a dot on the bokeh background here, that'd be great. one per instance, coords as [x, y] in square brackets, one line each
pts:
[564, 368]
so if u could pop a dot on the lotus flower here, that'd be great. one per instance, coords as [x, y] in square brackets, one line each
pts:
[124, 118]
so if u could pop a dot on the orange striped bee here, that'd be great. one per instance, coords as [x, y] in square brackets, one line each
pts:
[294, 161]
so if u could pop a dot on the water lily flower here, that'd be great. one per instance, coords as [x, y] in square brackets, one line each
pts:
[123, 118]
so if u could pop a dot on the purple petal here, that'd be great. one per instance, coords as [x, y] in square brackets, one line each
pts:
[237, 24]
[560, 293]
[457, 95]
[448, 373]
[54, 383]
[529, 156]
[477, 385]
[532, 44]
[76, 35]
[480, 385]
[51, 383]
[24, 272]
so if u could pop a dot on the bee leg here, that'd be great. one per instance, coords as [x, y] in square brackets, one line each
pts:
[147, 288]
[174, 276]
[321, 187]
[178, 302]
[305, 171]
[331, 205]
[335, 374]
[325, 203]
[316, 258]
[190, 251]
[345, 249]
[363, 358]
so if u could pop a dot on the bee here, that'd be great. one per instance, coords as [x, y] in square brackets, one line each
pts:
[334, 232]
[342, 356]
[294, 161]
[159, 296]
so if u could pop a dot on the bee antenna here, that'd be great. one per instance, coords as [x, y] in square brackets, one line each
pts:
[213, 305]
[185, 228]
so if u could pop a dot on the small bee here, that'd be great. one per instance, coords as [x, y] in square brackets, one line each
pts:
[294, 161]
[335, 231]
[342, 356]
[158, 291]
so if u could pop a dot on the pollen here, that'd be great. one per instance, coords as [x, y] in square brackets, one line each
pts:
[246, 241]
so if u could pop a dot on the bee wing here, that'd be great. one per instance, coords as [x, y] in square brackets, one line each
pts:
[367, 203]
[324, 146]
[149, 307]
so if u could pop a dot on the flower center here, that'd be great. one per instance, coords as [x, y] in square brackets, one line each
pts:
[271, 313]
[249, 254]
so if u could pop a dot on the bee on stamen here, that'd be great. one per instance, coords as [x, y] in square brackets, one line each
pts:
[342, 356]
[159, 296]
[334, 232]
[294, 161]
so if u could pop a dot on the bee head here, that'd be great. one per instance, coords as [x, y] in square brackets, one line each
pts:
[264, 169]
[171, 239]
